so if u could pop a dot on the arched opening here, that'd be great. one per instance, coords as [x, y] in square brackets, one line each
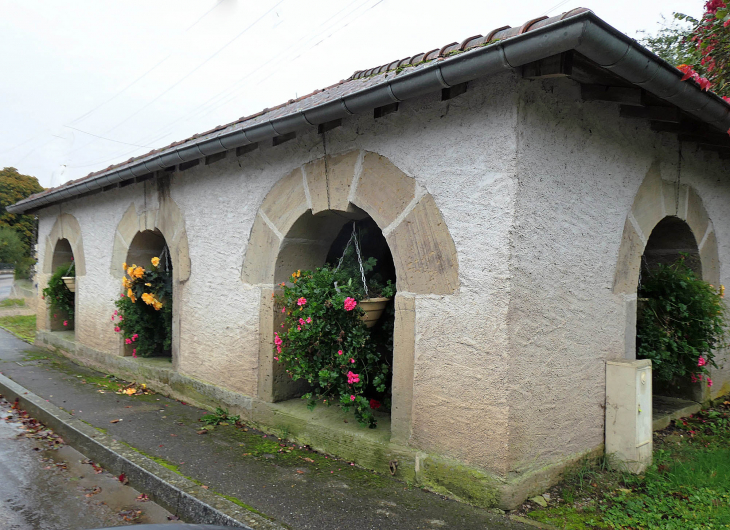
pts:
[61, 292]
[148, 327]
[670, 241]
[322, 239]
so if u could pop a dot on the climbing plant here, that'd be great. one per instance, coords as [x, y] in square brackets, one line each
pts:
[58, 296]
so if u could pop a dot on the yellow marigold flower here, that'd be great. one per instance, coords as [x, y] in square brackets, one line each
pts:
[157, 305]
[133, 299]
[148, 284]
[155, 261]
[124, 265]
[130, 293]
[138, 272]
[126, 283]
[148, 299]
[299, 273]
[293, 274]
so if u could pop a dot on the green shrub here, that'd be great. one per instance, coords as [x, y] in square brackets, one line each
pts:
[144, 311]
[23, 268]
[324, 341]
[680, 323]
[57, 295]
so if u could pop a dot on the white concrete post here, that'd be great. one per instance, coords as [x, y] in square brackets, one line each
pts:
[629, 414]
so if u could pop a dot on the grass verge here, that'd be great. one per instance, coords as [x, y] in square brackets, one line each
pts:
[12, 302]
[22, 327]
[686, 487]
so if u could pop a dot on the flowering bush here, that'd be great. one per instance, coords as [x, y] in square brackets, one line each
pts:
[324, 341]
[144, 311]
[58, 296]
[680, 324]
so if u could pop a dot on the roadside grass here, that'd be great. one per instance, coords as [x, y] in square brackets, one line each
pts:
[12, 302]
[686, 487]
[22, 327]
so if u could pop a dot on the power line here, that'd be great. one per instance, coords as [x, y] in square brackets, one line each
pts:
[104, 138]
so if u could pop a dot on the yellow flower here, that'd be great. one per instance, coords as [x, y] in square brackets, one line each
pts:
[293, 274]
[124, 266]
[129, 391]
[130, 270]
[126, 283]
[133, 299]
[148, 299]
[148, 284]
[157, 305]
[138, 272]
[155, 261]
[299, 273]
[130, 293]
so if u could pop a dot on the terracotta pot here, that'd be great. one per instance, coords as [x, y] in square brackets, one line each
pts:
[70, 282]
[373, 308]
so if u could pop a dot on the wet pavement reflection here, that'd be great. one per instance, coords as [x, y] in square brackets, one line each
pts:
[47, 485]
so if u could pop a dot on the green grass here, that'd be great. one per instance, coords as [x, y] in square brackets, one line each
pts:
[22, 327]
[12, 302]
[686, 487]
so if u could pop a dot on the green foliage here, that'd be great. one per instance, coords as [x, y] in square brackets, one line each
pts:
[57, 294]
[349, 268]
[11, 246]
[23, 268]
[144, 312]
[12, 302]
[681, 322]
[324, 341]
[15, 187]
[671, 42]
[219, 416]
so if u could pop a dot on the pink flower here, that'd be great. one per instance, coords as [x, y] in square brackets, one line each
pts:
[309, 320]
[65, 322]
[709, 382]
[117, 329]
[277, 340]
[352, 378]
[299, 328]
[276, 358]
[352, 398]
[112, 318]
[350, 304]
[339, 352]
[122, 295]
[134, 337]
[115, 312]
[54, 316]
[693, 378]
[128, 341]
[134, 353]
[352, 361]
[301, 321]
[301, 301]
[278, 349]
[701, 361]
[121, 318]
[283, 309]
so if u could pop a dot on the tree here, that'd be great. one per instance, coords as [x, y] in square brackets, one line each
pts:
[15, 187]
[12, 248]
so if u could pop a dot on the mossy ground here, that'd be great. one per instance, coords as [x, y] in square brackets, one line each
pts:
[687, 486]
[21, 326]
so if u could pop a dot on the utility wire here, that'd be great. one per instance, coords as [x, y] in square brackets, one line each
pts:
[104, 138]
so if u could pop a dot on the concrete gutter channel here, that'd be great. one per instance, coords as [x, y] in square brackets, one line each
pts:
[177, 494]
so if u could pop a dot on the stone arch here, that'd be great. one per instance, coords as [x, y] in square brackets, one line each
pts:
[302, 214]
[66, 227]
[656, 200]
[166, 219]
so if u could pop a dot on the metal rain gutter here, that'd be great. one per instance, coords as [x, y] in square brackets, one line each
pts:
[585, 33]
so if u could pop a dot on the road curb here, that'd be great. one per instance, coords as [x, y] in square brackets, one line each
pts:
[177, 494]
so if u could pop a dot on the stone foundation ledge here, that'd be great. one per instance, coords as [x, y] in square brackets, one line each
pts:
[325, 430]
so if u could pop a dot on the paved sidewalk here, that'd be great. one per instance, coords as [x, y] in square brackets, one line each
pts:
[290, 485]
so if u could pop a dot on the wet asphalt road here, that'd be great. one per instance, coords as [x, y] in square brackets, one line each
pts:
[51, 489]
[6, 283]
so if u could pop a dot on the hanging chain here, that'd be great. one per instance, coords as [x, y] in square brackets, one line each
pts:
[679, 180]
[353, 238]
[326, 168]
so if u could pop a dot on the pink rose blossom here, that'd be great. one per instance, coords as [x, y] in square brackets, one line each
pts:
[134, 353]
[299, 328]
[278, 349]
[352, 361]
[339, 352]
[128, 341]
[352, 398]
[301, 321]
[117, 329]
[54, 316]
[301, 301]
[121, 318]
[352, 378]
[693, 378]
[709, 382]
[277, 340]
[701, 361]
[283, 309]
[350, 304]
[276, 358]
[134, 337]
[309, 320]
[115, 312]
[122, 295]
[65, 322]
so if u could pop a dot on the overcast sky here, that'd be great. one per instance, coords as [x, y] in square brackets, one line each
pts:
[89, 83]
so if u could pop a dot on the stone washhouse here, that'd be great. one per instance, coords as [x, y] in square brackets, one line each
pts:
[518, 178]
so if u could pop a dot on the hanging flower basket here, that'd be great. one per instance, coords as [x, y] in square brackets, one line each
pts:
[373, 308]
[70, 282]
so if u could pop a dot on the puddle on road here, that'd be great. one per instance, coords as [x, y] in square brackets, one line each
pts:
[51, 486]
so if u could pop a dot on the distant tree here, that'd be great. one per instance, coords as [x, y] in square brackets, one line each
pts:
[699, 48]
[12, 248]
[13, 188]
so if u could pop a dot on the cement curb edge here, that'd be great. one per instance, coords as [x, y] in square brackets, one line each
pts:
[174, 492]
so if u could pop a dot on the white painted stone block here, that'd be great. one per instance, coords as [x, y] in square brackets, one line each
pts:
[629, 413]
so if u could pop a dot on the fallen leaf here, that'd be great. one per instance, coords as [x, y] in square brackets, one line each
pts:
[203, 431]
[142, 498]
[173, 518]
[123, 479]
[204, 487]
[94, 491]
[300, 471]
[115, 421]
[307, 459]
